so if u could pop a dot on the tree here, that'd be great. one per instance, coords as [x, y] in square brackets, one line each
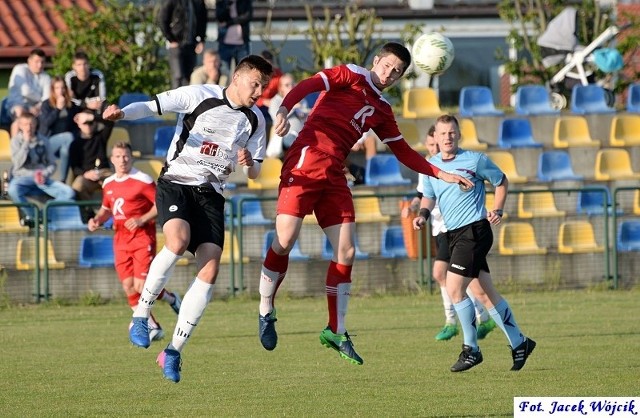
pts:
[122, 40]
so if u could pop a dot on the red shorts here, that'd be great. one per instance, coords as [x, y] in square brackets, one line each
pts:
[134, 262]
[313, 181]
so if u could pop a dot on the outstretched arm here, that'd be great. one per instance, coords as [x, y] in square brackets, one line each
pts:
[132, 111]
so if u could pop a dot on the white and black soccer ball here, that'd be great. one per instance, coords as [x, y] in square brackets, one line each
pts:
[433, 53]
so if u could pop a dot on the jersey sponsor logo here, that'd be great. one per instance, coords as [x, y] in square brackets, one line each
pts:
[361, 116]
[209, 148]
[118, 204]
[173, 208]
[209, 130]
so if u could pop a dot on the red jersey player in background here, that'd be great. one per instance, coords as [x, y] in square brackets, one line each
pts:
[313, 180]
[129, 196]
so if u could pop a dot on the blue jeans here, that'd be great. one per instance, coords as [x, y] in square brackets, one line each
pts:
[22, 186]
[236, 52]
[59, 144]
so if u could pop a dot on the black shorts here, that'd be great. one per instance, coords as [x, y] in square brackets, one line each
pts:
[469, 246]
[202, 207]
[442, 247]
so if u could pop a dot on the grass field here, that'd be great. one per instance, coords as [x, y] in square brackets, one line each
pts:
[76, 360]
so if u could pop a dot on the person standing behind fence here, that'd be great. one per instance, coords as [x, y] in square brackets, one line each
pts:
[234, 21]
[184, 25]
[470, 239]
[129, 196]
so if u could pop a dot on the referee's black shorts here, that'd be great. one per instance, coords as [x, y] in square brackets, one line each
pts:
[469, 246]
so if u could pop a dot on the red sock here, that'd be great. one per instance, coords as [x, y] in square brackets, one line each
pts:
[279, 264]
[133, 299]
[337, 302]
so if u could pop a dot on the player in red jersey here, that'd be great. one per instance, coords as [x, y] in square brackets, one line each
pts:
[313, 179]
[129, 196]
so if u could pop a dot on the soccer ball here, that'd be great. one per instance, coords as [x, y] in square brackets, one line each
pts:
[433, 53]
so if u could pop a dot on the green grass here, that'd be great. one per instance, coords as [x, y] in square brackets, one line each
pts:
[76, 360]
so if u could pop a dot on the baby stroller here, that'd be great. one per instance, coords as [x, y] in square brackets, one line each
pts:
[559, 44]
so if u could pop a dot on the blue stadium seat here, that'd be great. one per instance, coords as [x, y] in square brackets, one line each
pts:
[251, 210]
[392, 244]
[556, 166]
[162, 139]
[589, 99]
[591, 202]
[296, 253]
[629, 236]
[96, 251]
[65, 218]
[516, 133]
[533, 100]
[327, 250]
[633, 98]
[477, 101]
[384, 170]
[311, 99]
[128, 98]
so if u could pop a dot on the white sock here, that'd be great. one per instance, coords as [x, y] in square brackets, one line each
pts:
[344, 292]
[481, 313]
[449, 310]
[194, 303]
[268, 284]
[159, 273]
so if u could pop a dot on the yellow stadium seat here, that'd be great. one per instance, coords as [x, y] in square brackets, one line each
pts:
[151, 167]
[160, 240]
[10, 220]
[269, 177]
[5, 145]
[26, 255]
[420, 102]
[505, 161]
[537, 205]
[469, 136]
[577, 237]
[614, 164]
[636, 202]
[409, 130]
[368, 210]
[572, 131]
[120, 134]
[625, 131]
[518, 238]
[226, 253]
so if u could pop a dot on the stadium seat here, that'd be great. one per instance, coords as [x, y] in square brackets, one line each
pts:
[518, 238]
[633, 98]
[368, 209]
[409, 130]
[537, 205]
[132, 97]
[477, 101]
[516, 133]
[505, 161]
[556, 166]
[296, 253]
[628, 238]
[327, 249]
[384, 170]
[469, 136]
[625, 131]
[577, 237]
[592, 202]
[151, 167]
[269, 177]
[65, 218]
[589, 99]
[120, 134]
[533, 100]
[96, 251]
[251, 210]
[392, 243]
[311, 99]
[26, 255]
[636, 202]
[160, 240]
[572, 131]
[5, 145]
[226, 252]
[162, 139]
[10, 220]
[614, 164]
[419, 103]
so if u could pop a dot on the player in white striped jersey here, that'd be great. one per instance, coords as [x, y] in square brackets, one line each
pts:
[216, 130]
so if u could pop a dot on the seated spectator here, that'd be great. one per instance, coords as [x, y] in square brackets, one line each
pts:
[211, 71]
[33, 165]
[29, 86]
[56, 122]
[87, 85]
[88, 157]
[297, 117]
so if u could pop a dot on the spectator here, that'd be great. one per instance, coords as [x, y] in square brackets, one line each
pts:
[28, 86]
[88, 156]
[33, 164]
[278, 145]
[270, 91]
[211, 71]
[233, 17]
[184, 24]
[87, 85]
[56, 122]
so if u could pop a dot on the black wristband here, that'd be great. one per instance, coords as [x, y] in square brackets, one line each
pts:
[425, 213]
